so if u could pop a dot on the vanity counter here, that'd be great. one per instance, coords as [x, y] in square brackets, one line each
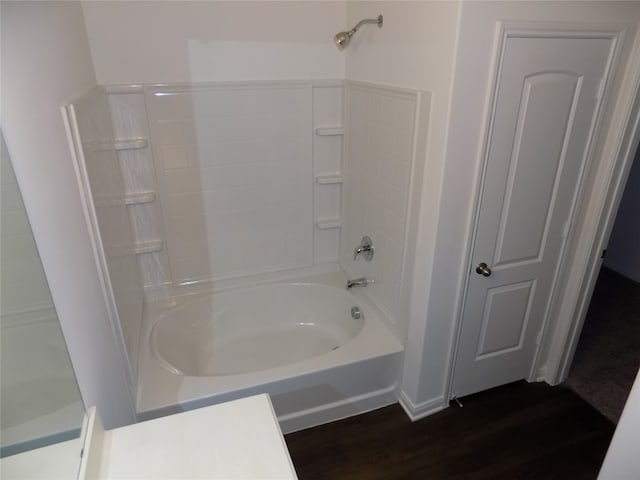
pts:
[234, 440]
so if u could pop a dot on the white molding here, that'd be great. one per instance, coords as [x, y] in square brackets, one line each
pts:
[82, 177]
[123, 89]
[423, 409]
[337, 410]
[605, 198]
[390, 90]
[93, 436]
[157, 88]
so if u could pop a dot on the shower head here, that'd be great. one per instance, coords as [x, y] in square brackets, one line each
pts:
[342, 39]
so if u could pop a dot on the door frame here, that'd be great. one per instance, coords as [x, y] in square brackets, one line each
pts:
[605, 196]
[564, 319]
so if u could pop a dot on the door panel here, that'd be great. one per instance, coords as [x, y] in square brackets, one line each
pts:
[505, 319]
[544, 109]
[546, 112]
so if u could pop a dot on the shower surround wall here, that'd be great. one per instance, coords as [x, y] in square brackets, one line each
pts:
[248, 179]
[256, 41]
[100, 175]
[234, 167]
[380, 161]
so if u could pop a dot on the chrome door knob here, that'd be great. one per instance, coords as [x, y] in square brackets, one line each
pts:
[483, 269]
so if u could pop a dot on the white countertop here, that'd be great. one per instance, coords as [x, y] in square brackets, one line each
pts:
[234, 440]
[59, 461]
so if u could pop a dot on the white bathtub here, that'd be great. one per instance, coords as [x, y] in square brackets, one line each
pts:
[296, 341]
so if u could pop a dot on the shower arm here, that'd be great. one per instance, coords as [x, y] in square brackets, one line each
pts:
[376, 21]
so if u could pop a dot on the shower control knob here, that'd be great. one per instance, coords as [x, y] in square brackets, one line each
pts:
[365, 249]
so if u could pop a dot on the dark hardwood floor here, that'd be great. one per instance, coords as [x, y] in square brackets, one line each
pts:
[519, 431]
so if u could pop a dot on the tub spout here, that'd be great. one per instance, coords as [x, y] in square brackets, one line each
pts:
[358, 282]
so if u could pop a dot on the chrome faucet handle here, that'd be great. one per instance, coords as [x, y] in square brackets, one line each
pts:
[365, 248]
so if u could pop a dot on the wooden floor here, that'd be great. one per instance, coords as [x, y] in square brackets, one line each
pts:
[520, 431]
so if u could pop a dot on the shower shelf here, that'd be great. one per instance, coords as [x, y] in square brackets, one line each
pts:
[329, 131]
[140, 197]
[148, 247]
[130, 143]
[328, 223]
[329, 179]
[128, 199]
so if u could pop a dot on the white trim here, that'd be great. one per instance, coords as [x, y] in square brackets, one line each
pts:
[598, 222]
[423, 409]
[93, 229]
[337, 410]
[123, 89]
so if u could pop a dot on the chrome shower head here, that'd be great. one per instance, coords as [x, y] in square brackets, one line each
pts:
[342, 39]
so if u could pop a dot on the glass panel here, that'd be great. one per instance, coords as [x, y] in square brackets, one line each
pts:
[40, 402]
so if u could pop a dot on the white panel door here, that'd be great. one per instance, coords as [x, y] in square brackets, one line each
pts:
[545, 105]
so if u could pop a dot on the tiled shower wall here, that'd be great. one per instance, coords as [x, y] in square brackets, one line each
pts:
[378, 168]
[233, 165]
[230, 180]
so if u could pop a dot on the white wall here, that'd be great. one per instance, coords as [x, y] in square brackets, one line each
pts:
[45, 62]
[430, 352]
[623, 249]
[180, 41]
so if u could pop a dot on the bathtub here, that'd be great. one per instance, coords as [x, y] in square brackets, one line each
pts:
[296, 340]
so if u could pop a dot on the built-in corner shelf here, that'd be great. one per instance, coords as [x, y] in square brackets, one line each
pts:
[148, 247]
[329, 131]
[128, 199]
[328, 223]
[140, 197]
[329, 179]
[130, 143]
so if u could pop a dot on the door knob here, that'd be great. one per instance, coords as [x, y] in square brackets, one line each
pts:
[483, 270]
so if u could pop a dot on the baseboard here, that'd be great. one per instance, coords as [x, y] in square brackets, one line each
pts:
[424, 409]
[338, 410]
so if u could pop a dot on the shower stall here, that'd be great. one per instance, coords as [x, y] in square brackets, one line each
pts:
[231, 211]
